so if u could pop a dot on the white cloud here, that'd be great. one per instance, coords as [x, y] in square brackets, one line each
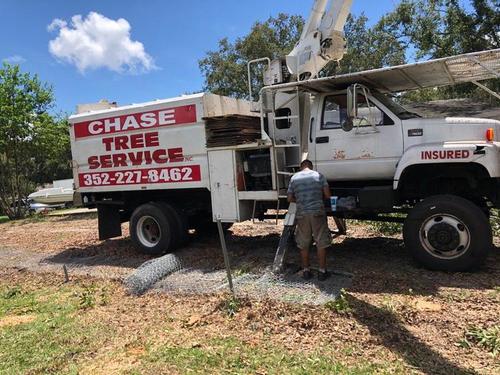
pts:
[96, 42]
[57, 23]
[15, 59]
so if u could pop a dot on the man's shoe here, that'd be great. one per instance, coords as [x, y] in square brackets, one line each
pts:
[306, 275]
[322, 276]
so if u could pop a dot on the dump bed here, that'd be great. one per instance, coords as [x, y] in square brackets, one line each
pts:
[150, 146]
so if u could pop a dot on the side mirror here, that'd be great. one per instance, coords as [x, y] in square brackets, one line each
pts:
[348, 124]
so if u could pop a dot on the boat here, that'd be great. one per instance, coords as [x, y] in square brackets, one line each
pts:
[53, 196]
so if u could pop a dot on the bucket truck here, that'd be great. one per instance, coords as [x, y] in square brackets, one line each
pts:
[171, 165]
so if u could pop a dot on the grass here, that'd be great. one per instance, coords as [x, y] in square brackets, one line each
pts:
[3, 219]
[231, 305]
[232, 356]
[40, 331]
[58, 329]
[386, 228]
[340, 305]
[485, 338]
[391, 229]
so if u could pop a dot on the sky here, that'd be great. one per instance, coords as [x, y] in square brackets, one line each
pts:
[131, 51]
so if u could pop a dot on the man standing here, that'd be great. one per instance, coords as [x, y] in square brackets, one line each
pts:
[309, 189]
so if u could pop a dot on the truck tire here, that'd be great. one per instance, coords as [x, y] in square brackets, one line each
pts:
[151, 230]
[178, 223]
[448, 233]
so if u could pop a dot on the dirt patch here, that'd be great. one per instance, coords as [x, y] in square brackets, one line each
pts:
[14, 320]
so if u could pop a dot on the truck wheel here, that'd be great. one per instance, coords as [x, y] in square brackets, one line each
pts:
[178, 223]
[151, 230]
[448, 233]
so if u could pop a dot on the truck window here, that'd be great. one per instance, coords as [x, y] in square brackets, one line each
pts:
[334, 112]
[369, 111]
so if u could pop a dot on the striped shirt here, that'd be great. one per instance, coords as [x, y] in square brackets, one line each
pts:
[307, 188]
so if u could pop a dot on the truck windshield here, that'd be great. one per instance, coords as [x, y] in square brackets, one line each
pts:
[394, 107]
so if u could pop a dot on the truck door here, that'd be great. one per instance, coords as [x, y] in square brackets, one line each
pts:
[370, 151]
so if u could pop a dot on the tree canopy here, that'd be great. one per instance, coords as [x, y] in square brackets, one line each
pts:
[414, 30]
[34, 146]
[225, 70]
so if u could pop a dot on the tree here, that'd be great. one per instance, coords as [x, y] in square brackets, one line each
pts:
[369, 48]
[33, 145]
[440, 28]
[419, 29]
[225, 70]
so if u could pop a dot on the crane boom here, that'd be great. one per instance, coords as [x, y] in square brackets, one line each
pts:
[322, 39]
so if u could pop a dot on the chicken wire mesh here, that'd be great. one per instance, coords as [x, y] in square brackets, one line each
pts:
[191, 271]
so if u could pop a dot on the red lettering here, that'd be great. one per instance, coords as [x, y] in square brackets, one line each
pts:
[175, 155]
[94, 162]
[107, 143]
[147, 157]
[151, 139]
[136, 158]
[121, 143]
[452, 154]
[426, 155]
[137, 141]
[159, 156]
[120, 160]
[106, 161]
[142, 120]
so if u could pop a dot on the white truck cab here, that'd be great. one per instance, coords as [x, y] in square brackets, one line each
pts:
[442, 175]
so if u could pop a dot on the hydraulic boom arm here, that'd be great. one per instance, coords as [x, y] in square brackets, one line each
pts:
[322, 39]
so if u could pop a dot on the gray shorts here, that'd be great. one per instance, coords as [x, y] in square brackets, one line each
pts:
[313, 226]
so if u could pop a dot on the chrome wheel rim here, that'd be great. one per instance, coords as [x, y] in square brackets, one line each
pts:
[148, 231]
[445, 236]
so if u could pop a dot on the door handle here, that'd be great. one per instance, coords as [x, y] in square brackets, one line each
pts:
[322, 139]
[311, 130]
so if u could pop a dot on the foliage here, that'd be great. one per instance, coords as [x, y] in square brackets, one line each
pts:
[34, 146]
[86, 297]
[415, 29]
[12, 292]
[225, 70]
[387, 228]
[340, 305]
[440, 28]
[487, 338]
[367, 48]
[231, 305]
[3, 219]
